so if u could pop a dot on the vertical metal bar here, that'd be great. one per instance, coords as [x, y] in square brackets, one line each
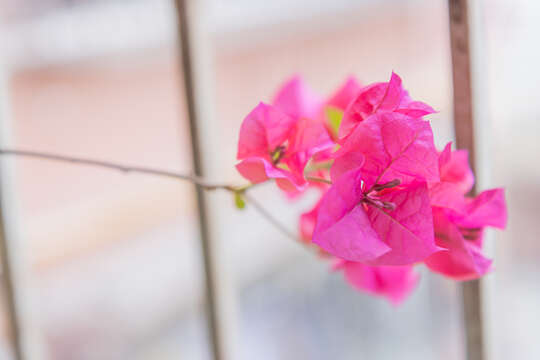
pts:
[9, 290]
[464, 129]
[213, 294]
[6, 251]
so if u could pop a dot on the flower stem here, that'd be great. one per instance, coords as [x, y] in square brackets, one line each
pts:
[316, 179]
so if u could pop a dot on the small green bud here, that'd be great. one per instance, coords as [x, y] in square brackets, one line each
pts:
[239, 200]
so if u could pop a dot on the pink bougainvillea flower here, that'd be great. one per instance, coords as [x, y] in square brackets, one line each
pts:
[274, 145]
[392, 282]
[381, 97]
[308, 219]
[334, 107]
[345, 94]
[297, 100]
[486, 209]
[461, 236]
[455, 169]
[462, 258]
[307, 222]
[393, 146]
[263, 134]
[459, 221]
[385, 224]
[308, 138]
[456, 179]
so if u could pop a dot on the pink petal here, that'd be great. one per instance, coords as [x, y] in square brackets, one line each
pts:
[345, 94]
[407, 230]
[361, 108]
[350, 161]
[310, 137]
[395, 147]
[464, 264]
[461, 259]
[407, 106]
[296, 99]
[263, 129]
[456, 170]
[290, 184]
[258, 170]
[487, 209]
[415, 109]
[381, 97]
[393, 282]
[343, 228]
[393, 94]
[448, 195]
[307, 222]
[445, 155]
[324, 155]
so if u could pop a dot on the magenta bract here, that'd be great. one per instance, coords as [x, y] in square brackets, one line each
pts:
[394, 200]
[379, 98]
[392, 282]
[353, 223]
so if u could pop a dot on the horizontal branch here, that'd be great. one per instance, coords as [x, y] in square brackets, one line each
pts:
[156, 172]
[121, 167]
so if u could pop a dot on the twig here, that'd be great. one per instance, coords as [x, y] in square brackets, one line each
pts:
[317, 179]
[121, 167]
[271, 219]
[165, 173]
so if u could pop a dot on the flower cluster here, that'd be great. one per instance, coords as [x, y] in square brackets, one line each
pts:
[388, 199]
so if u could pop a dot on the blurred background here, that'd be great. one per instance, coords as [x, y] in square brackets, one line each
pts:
[112, 264]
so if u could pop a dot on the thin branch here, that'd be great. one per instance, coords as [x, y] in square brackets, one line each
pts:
[150, 171]
[271, 219]
[121, 167]
[317, 179]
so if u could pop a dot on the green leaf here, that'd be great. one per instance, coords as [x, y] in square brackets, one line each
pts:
[334, 117]
[239, 200]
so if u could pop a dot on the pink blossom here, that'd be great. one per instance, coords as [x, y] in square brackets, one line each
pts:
[461, 236]
[393, 146]
[308, 219]
[333, 109]
[456, 179]
[347, 92]
[393, 282]
[275, 145]
[455, 169]
[310, 141]
[297, 100]
[308, 138]
[381, 97]
[385, 224]
[307, 222]
[394, 200]
[486, 209]
[459, 221]
[261, 146]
